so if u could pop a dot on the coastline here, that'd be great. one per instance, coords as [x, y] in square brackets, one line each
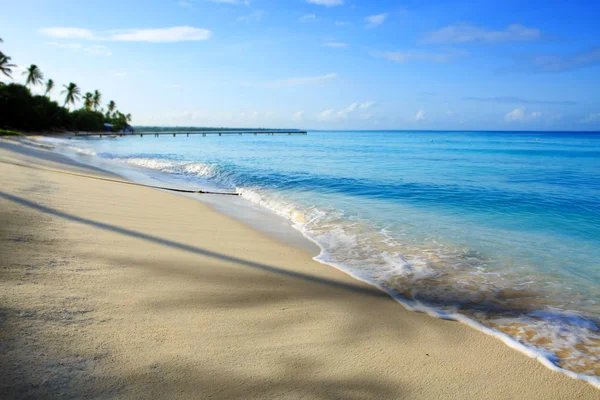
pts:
[180, 299]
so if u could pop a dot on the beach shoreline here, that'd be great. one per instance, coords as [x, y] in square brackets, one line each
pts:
[150, 303]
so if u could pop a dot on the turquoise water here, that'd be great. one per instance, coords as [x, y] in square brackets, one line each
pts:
[499, 227]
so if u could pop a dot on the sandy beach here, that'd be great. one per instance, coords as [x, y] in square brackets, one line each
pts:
[117, 291]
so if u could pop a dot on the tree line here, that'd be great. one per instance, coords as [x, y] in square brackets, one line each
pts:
[20, 109]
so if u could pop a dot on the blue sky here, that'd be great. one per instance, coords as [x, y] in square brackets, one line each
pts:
[324, 64]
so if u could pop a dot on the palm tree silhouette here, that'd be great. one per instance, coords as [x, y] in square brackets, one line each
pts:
[111, 106]
[34, 75]
[97, 100]
[88, 101]
[49, 86]
[5, 65]
[73, 93]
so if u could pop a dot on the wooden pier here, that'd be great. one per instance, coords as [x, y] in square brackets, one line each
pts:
[199, 132]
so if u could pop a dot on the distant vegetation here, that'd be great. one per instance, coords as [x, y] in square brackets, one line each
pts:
[21, 110]
[6, 132]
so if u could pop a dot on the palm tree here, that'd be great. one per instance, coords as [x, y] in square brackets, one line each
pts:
[6, 66]
[110, 107]
[34, 75]
[73, 92]
[128, 117]
[97, 100]
[88, 101]
[49, 86]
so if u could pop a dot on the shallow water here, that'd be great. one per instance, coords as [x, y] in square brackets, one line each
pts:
[500, 227]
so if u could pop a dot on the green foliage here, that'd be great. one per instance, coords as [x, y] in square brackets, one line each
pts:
[73, 92]
[88, 101]
[96, 100]
[87, 120]
[49, 86]
[119, 121]
[20, 109]
[5, 65]
[6, 132]
[34, 75]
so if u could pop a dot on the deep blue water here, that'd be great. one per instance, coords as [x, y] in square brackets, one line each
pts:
[503, 227]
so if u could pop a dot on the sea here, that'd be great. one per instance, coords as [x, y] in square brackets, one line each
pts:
[498, 230]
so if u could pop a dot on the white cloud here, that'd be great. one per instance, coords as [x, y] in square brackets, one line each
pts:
[521, 115]
[560, 63]
[414, 55]
[375, 20]
[298, 116]
[420, 115]
[72, 46]
[69, 33]
[325, 114]
[174, 34]
[464, 33]
[96, 50]
[254, 16]
[331, 114]
[295, 81]
[233, 2]
[187, 4]
[308, 18]
[342, 23]
[335, 44]
[591, 118]
[326, 3]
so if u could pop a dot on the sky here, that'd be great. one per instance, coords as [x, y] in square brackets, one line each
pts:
[321, 64]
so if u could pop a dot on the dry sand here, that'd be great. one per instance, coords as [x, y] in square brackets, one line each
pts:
[116, 291]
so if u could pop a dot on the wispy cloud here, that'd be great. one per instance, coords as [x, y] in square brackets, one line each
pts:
[175, 34]
[331, 115]
[465, 33]
[559, 63]
[308, 18]
[233, 2]
[326, 3]
[417, 55]
[335, 44]
[163, 35]
[595, 117]
[69, 33]
[342, 23]
[295, 81]
[420, 115]
[184, 3]
[298, 116]
[255, 16]
[375, 20]
[96, 50]
[520, 115]
[520, 100]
